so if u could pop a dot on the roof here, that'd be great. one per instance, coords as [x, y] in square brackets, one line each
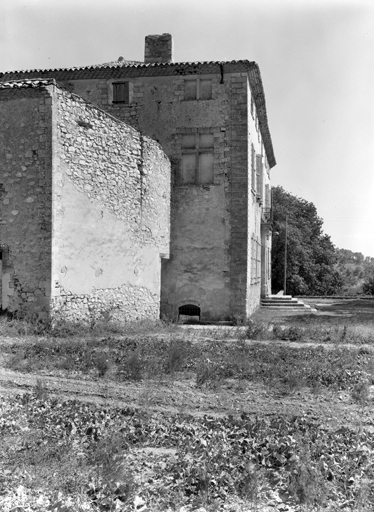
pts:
[131, 69]
[27, 84]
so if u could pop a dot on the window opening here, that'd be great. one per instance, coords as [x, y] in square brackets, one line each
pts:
[121, 92]
[255, 260]
[259, 178]
[198, 89]
[197, 158]
[253, 167]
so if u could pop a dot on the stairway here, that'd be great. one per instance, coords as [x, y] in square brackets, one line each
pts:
[284, 302]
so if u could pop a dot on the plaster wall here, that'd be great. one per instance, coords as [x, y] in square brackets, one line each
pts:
[111, 214]
[25, 202]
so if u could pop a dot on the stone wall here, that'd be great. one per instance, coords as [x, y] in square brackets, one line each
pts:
[259, 232]
[198, 271]
[217, 227]
[111, 214]
[25, 204]
[212, 225]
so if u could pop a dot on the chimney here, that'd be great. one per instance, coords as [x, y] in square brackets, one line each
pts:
[158, 48]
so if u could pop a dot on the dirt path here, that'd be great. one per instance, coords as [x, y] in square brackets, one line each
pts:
[181, 395]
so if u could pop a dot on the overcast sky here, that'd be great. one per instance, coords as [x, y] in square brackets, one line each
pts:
[316, 61]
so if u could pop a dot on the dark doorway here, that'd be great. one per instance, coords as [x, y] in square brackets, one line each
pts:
[189, 313]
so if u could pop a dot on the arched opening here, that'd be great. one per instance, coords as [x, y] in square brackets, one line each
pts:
[189, 313]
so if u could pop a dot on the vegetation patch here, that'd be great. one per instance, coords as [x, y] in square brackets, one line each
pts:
[70, 456]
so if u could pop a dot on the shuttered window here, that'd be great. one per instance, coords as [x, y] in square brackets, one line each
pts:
[253, 168]
[120, 92]
[259, 192]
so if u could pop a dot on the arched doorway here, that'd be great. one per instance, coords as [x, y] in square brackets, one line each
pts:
[189, 313]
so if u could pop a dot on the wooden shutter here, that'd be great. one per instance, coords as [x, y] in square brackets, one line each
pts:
[121, 92]
[259, 177]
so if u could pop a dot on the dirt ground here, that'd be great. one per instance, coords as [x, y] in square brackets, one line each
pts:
[178, 393]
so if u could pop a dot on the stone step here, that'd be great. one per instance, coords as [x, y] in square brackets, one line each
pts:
[281, 301]
[280, 297]
[284, 306]
[284, 302]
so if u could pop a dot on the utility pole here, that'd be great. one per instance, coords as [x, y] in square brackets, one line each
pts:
[285, 262]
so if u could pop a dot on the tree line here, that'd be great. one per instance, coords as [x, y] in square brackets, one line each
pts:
[314, 266]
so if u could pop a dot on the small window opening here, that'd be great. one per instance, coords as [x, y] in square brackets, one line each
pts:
[189, 313]
[121, 92]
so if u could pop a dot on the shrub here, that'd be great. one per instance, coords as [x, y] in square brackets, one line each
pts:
[209, 373]
[176, 355]
[132, 366]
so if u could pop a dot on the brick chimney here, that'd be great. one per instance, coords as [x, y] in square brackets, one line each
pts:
[158, 48]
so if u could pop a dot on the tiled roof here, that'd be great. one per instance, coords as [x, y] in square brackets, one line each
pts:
[131, 69]
[24, 84]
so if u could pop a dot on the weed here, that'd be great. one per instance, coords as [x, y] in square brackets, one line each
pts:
[292, 382]
[306, 482]
[361, 393]
[40, 390]
[253, 483]
[176, 356]
[209, 373]
[147, 397]
[133, 366]
[287, 333]
[66, 363]
[111, 479]
[343, 335]
[255, 331]
[102, 363]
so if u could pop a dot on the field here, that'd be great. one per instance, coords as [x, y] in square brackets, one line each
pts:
[273, 415]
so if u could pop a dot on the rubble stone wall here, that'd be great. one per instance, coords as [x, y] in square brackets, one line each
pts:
[111, 215]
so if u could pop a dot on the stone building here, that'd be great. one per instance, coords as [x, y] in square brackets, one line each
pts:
[107, 240]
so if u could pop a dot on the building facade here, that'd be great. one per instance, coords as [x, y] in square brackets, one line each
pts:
[210, 120]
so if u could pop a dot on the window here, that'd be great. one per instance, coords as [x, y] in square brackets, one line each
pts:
[253, 168]
[121, 92]
[259, 178]
[255, 260]
[197, 159]
[267, 196]
[198, 89]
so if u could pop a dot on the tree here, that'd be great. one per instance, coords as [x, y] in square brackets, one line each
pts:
[311, 255]
[368, 286]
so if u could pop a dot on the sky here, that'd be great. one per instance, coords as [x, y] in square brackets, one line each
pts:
[316, 59]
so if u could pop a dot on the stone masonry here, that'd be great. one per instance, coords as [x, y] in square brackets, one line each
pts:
[210, 119]
[105, 210]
